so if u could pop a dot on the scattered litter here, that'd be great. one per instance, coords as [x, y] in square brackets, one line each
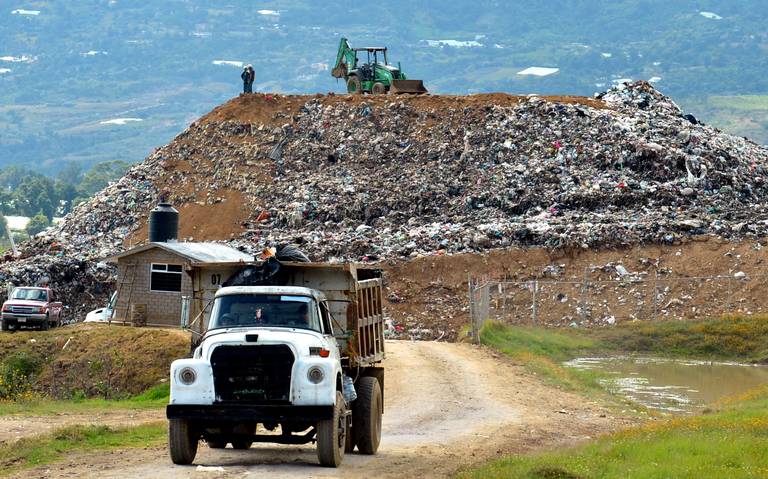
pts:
[209, 469]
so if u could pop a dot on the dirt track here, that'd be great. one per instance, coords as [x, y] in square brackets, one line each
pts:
[446, 406]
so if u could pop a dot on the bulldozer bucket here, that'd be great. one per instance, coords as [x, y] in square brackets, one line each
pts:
[408, 86]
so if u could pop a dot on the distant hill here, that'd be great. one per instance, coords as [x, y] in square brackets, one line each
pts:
[110, 80]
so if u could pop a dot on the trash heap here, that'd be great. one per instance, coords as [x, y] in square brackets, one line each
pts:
[368, 182]
[392, 177]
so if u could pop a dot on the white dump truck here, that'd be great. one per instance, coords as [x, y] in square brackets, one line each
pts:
[292, 363]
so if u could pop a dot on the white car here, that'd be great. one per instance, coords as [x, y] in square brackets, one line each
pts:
[102, 315]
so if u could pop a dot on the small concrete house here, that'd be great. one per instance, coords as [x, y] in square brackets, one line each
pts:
[158, 281]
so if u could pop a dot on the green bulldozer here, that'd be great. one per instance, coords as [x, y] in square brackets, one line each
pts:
[375, 76]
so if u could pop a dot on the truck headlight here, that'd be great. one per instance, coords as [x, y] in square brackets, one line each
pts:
[187, 376]
[315, 375]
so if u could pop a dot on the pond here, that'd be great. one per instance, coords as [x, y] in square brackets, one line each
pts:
[674, 386]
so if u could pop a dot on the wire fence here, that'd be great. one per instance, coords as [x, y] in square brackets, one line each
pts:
[600, 302]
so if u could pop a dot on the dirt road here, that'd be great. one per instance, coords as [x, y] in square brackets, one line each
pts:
[446, 406]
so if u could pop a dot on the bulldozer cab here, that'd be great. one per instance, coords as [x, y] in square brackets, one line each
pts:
[367, 71]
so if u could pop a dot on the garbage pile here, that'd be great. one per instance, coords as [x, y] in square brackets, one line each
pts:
[368, 182]
[372, 179]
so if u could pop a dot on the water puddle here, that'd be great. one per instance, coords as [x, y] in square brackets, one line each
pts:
[674, 386]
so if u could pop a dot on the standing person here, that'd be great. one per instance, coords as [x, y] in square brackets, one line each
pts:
[248, 76]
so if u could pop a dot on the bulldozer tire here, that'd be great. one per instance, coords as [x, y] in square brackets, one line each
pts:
[332, 436]
[182, 442]
[366, 415]
[354, 86]
[378, 89]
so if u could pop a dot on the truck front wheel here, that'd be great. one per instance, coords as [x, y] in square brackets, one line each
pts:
[332, 435]
[366, 415]
[182, 441]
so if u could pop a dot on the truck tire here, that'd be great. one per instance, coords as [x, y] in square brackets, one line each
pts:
[366, 415]
[3, 325]
[182, 442]
[379, 89]
[216, 444]
[332, 436]
[349, 444]
[241, 444]
[45, 324]
[354, 86]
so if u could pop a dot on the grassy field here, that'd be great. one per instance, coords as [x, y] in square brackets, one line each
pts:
[154, 398]
[543, 351]
[87, 361]
[727, 443]
[730, 443]
[740, 115]
[39, 450]
[740, 102]
[737, 338]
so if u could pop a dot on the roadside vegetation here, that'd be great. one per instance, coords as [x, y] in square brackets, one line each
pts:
[730, 442]
[39, 450]
[542, 351]
[86, 362]
[155, 397]
[730, 338]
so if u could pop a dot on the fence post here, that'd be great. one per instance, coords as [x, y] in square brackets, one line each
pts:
[584, 292]
[730, 292]
[503, 293]
[472, 325]
[655, 295]
[533, 307]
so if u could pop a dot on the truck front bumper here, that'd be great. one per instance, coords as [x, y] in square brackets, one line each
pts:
[24, 319]
[246, 412]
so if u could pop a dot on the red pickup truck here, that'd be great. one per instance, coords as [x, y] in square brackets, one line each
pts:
[31, 306]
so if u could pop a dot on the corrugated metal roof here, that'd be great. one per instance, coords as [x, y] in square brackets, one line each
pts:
[195, 252]
[207, 252]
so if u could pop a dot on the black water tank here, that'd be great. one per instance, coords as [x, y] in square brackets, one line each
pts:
[163, 223]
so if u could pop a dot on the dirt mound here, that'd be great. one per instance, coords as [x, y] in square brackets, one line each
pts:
[276, 110]
[91, 360]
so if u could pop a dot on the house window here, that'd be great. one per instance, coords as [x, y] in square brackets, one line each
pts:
[165, 277]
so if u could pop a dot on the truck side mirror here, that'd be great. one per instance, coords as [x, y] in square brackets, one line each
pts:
[326, 318]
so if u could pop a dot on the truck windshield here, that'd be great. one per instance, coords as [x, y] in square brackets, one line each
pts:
[269, 310]
[30, 294]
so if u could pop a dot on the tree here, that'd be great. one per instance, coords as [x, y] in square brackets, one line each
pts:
[36, 193]
[100, 175]
[65, 194]
[71, 174]
[38, 223]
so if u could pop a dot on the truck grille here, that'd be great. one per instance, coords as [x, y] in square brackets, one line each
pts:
[23, 309]
[252, 374]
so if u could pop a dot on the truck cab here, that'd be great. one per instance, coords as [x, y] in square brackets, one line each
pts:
[277, 358]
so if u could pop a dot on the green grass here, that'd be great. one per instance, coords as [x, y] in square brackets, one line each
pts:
[542, 351]
[740, 102]
[728, 444]
[154, 398]
[39, 450]
[737, 338]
